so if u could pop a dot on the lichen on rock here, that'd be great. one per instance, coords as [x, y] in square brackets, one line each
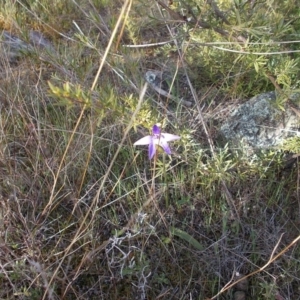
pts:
[259, 124]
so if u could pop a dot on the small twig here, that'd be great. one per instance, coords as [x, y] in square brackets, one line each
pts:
[217, 11]
[256, 53]
[149, 45]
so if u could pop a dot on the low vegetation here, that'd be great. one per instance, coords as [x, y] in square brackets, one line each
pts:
[84, 213]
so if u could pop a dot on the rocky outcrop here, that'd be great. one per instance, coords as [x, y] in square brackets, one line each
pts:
[258, 123]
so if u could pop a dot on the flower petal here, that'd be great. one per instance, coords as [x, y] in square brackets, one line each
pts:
[169, 137]
[151, 150]
[163, 143]
[146, 140]
[155, 130]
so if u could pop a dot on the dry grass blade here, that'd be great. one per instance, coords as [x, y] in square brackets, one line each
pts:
[271, 260]
[84, 214]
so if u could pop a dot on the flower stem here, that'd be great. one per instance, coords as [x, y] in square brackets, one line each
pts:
[166, 181]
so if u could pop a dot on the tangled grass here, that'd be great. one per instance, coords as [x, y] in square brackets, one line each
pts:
[84, 214]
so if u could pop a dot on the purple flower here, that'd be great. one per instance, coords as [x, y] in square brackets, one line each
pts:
[157, 138]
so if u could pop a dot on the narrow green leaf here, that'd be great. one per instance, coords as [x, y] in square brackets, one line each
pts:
[185, 236]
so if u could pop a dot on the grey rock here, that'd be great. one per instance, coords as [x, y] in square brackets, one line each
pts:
[37, 39]
[259, 124]
[12, 47]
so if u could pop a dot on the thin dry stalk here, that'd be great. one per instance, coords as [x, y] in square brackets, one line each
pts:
[271, 260]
